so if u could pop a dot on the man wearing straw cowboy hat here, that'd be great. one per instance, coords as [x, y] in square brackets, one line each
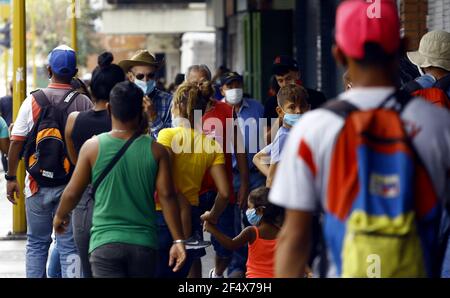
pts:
[433, 59]
[141, 69]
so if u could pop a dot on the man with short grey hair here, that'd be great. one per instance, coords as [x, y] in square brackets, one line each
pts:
[197, 72]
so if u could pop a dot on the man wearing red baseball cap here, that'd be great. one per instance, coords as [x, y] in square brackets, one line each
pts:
[369, 46]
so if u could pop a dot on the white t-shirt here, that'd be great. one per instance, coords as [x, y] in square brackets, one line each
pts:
[302, 176]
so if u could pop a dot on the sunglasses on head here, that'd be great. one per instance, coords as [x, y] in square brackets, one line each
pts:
[141, 76]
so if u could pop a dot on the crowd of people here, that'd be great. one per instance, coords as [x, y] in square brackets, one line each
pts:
[128, 177]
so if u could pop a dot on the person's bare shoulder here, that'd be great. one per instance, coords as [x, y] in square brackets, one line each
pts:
[159, 151]
[89, 150]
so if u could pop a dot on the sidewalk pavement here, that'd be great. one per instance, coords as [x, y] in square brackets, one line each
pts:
[12, 253]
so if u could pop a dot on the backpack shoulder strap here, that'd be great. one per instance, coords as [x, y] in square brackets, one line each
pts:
[113, 162]
[443, 83]
[41, 98]
[341, 108]
[68, 99]
[412, 86]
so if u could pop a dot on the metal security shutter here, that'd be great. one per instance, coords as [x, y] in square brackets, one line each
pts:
[438, 17]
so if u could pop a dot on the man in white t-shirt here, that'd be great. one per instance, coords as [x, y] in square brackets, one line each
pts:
[41, 201]
[368, 48]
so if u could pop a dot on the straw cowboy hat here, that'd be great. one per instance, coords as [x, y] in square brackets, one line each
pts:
[141, 58]
[434, 50]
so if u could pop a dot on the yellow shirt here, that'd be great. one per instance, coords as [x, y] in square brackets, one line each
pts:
[194, 154]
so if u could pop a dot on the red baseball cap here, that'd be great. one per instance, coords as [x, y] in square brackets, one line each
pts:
[361, 21]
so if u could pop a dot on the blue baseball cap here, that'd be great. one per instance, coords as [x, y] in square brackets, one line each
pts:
[63, 61]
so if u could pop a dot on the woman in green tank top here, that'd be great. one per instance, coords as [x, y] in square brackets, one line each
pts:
[123, 236]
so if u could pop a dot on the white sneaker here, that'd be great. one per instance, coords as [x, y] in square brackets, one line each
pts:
[212, 274]
[193, 243]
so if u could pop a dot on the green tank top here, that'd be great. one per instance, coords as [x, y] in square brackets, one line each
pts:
[124, 208]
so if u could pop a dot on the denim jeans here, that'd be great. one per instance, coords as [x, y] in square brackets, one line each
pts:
[225, 223]
[54, 265]
[165, 243]
[239, 260]
[40, 210]
[120, 260]
[82, 223]
[444, 235]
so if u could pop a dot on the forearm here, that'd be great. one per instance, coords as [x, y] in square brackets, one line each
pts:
[13, 156]
[171, 212]
[4, 145]
[262, 167]
[69, 200]
[220, 205]
[291, 248]
[224, 240]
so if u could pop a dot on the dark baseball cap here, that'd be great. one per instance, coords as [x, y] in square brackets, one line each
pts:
[229, 77]
[283, 64]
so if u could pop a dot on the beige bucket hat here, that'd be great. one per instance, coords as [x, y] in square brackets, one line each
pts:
[142, 57]
[434, 50]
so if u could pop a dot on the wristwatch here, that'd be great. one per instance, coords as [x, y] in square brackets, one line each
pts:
[10, 178]
[179, 241]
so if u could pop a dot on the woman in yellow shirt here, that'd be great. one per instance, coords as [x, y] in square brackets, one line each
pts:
[192, 154]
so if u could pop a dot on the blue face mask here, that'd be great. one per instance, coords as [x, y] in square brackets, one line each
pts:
[146, 87]
[252, 217]
[291, 119]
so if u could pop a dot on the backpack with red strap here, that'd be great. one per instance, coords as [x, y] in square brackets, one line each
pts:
[45, 152]
[437, 94]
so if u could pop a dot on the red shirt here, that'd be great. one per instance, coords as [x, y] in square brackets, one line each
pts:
[214, 126]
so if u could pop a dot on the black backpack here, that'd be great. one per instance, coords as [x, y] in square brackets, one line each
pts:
[45, 152]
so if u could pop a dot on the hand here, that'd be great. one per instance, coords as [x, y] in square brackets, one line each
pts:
[308, 272]
[149, 108]
[207, 217]
[12, 188]
[61, 224]
[242, 196]
[177, 256]
[207, 226]
[10, 128]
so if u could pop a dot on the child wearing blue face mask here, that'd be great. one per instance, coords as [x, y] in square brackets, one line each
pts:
[292, 104]
[261, 237]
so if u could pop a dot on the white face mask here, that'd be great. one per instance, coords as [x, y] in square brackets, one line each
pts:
[234, 96]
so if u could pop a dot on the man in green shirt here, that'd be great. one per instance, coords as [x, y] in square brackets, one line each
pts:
[124, 233]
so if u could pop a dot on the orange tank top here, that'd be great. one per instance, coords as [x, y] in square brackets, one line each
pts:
[261, 257]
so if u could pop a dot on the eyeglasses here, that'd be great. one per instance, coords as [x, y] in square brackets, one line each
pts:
[141, 76]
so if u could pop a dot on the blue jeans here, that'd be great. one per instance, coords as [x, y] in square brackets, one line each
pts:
[165, 243]
[82, 224]
[239, 260]
[54, 264]
[40, 210]
[445, 240]
[225, 223]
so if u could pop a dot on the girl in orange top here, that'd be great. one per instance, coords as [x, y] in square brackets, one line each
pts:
[261, 237]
